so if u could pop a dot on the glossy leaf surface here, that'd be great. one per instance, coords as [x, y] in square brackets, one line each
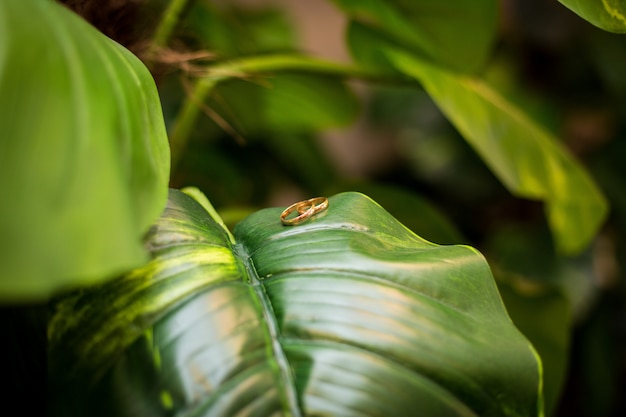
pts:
[525, 157]
[84, 159]
[606, 14]
[454, 33]
[324, 318]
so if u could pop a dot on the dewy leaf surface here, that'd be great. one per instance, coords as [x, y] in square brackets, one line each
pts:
[324, 318]
[524, 156]
[609, 15]
[84, 158]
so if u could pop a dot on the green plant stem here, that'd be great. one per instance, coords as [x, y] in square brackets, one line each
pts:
[166, 26]
[257, 65]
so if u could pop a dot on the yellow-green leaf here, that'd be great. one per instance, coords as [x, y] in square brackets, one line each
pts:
[526, 158]
[609, 15]
[84, 158]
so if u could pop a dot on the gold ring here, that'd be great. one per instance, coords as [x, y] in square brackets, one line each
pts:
[305, 209]
[318, 204]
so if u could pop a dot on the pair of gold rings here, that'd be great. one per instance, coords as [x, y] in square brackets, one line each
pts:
[306, 209]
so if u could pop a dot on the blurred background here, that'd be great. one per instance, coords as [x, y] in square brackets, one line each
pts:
[270, 141]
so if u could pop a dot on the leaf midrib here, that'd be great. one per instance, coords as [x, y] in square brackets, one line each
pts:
[290, 394]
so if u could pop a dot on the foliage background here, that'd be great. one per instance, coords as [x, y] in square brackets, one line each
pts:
[391, 142]
[319, 137]
[401, 151]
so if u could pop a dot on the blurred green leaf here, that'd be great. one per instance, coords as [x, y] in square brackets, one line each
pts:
[606, 14]
[323, 318]
[234, 31]
[607, 52]
[543, 314]
[302, 158]
[600, 349]
[525, 157]
[84, 157]
[543, 293]
[288, 92]
[525, 249]
[454, 33]
[219, 173]
[284, 103]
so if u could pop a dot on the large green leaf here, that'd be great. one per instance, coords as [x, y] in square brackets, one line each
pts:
[347, 314]
[84, 157]
[606, 14]
[455, 33]
[525, 157]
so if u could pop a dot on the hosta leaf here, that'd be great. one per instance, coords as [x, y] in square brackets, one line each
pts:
[455, 33]
[524, 156]
[606, 14]
[347, 314]
[84, 159]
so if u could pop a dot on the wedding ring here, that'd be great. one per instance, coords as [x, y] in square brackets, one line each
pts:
[305, 209]
[318, 203]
